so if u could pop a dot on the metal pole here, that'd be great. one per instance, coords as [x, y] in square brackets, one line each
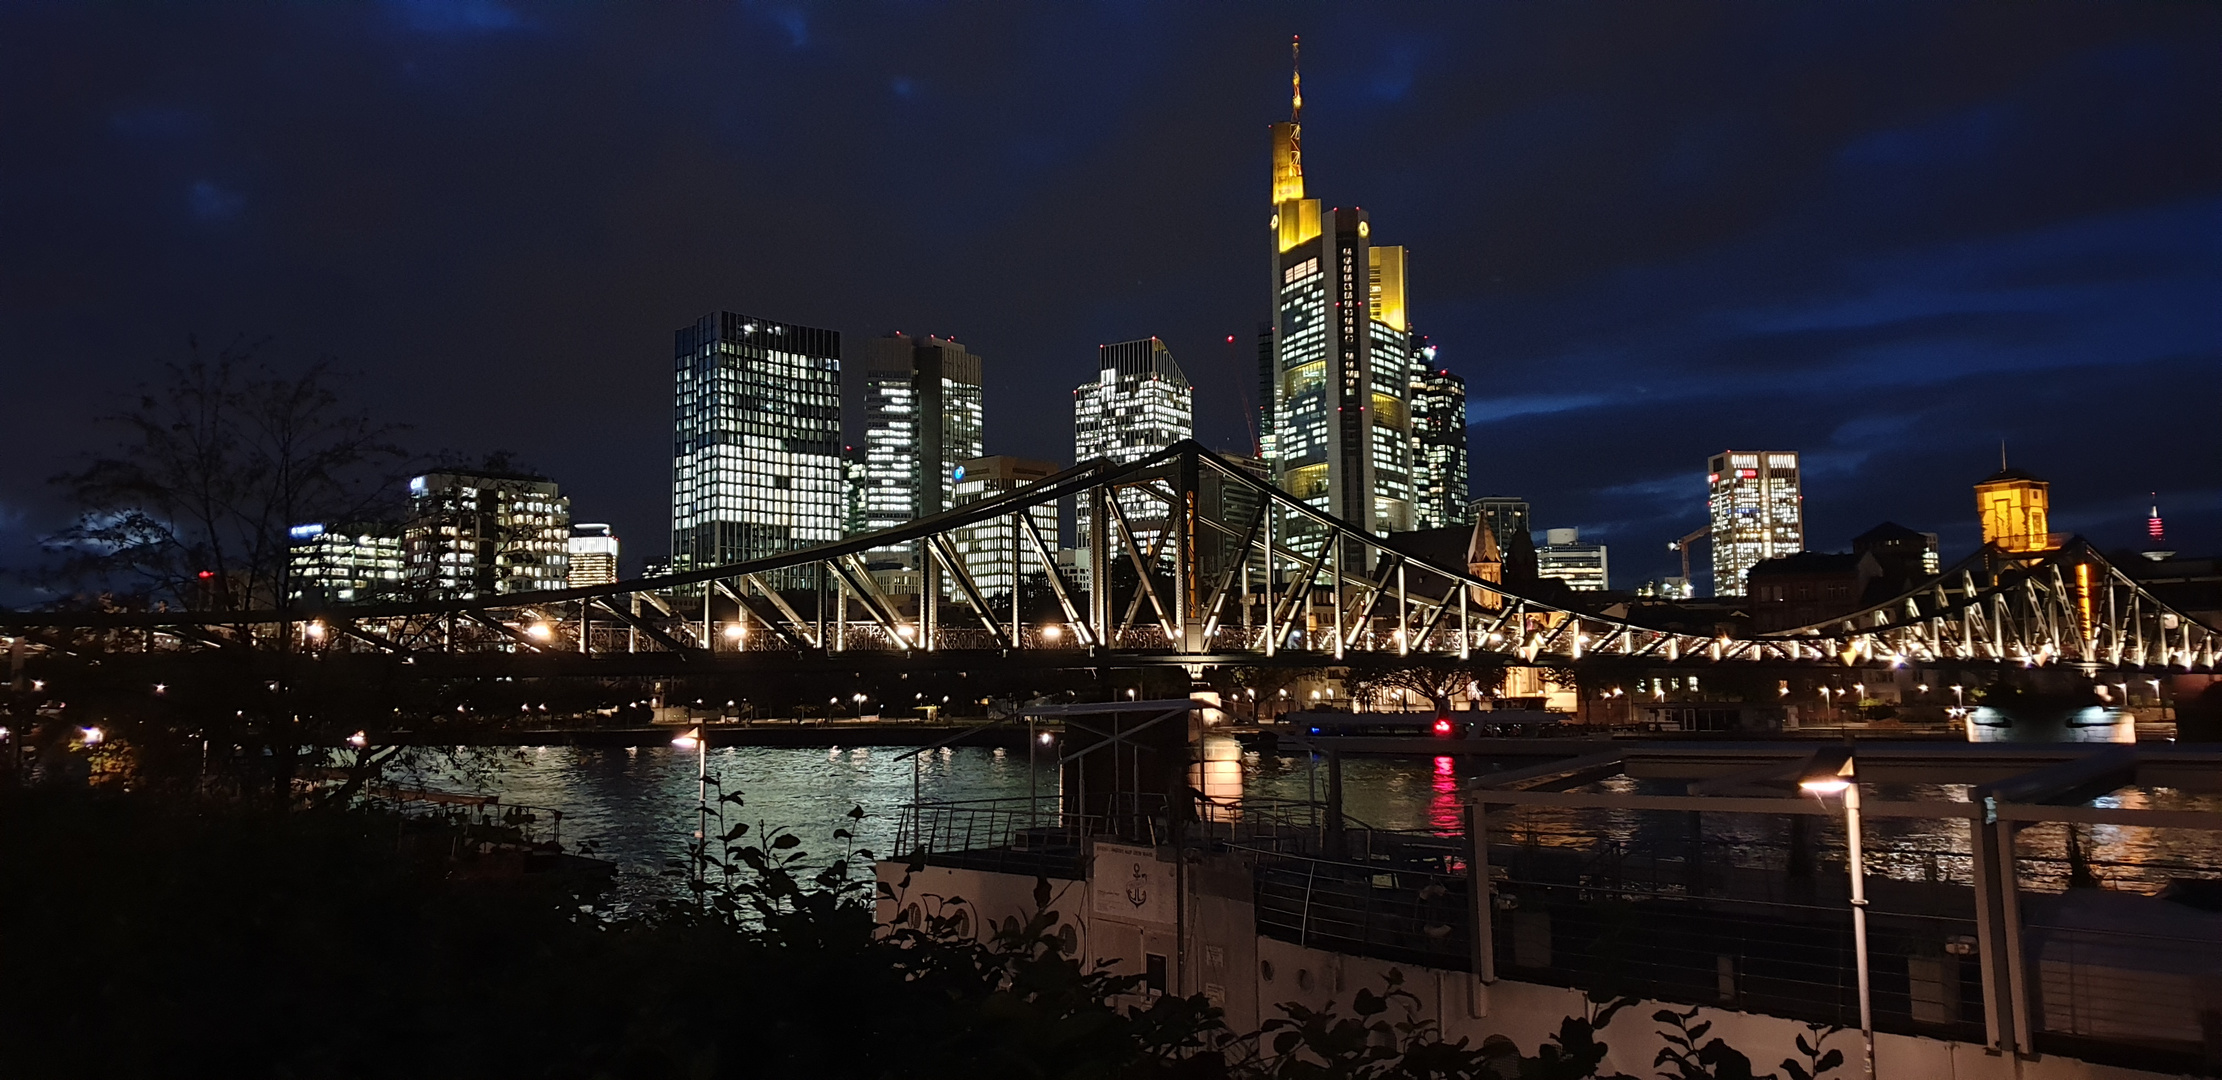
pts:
[1858, 870]
[1272, 587]
[702, 792]
[1335, 583]
[1033, 776]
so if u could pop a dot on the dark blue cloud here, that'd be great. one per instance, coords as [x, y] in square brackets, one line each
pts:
[1887, 235]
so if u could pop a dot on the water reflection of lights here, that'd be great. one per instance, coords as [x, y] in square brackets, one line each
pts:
[1221, 769]
[1445, 813]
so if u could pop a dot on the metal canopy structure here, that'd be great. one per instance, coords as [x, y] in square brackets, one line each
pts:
[2013, 789]
[1201, 562]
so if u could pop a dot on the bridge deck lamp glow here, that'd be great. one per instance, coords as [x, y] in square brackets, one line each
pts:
[735, 631]
[314, 631]
[1834, 772]
[540, 631]
[1053, 631]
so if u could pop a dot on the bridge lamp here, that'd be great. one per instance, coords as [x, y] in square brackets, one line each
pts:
[735, 631]
[1833, 772]
[540, 631]
[904, 631]
[161, 688]
[359, 740]
[1052, 631]
[314, 631]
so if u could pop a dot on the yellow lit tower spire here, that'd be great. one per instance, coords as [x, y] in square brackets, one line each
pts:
[1337, 358]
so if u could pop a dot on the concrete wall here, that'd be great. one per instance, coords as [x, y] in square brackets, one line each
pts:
[1247, 975]
[1529, 1015]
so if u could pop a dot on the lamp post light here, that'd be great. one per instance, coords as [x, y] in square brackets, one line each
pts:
[698, 740]
[1834, 772]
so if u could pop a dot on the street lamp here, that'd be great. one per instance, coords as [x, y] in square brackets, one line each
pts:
[735, 631]
[698, 740]
[1833, 772]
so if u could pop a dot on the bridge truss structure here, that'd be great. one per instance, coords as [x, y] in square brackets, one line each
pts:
[1203, 562]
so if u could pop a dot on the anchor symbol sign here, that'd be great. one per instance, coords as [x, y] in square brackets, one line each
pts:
[1138, 887]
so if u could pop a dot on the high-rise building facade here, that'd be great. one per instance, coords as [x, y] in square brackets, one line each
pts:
[1342, 359]
[989, 549]
[485, 533]
[922, 415]
[856, 485]
[1438, 446]
[756, 440]
[1506, 516]
[593, 551]
[1140, 402]
[354, 563]
[1581, 566]
[1757, 510]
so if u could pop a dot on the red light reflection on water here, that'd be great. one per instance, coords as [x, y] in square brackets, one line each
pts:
[1445, 815]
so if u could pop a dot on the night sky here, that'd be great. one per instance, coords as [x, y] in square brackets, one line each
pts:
[1886, 235]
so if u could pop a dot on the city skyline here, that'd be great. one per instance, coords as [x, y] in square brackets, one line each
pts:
[1544, 315]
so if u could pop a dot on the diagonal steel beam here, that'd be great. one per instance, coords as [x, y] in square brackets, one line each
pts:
[1134, 551]
[939, 546]
[1056, 579]
[514, 634]
[801, 625]
[654, 633]
[379, 641]
[746, 603]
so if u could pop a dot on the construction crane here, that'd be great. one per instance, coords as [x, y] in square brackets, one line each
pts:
[1683, 546]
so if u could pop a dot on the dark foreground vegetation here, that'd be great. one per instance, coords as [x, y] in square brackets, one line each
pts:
[146, 936]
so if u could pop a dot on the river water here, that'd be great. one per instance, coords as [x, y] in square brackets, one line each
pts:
[637, 806]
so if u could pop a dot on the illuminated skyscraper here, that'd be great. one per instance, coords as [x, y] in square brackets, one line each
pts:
[1438, 446]
[1343, 357]
[345, 563]
[1581, 566]
[1757, 510]
[485, 533]
[2014, 505]
[593, 556]
[989, 548]
[1140, 402]
[922, 415]
[756, 440]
